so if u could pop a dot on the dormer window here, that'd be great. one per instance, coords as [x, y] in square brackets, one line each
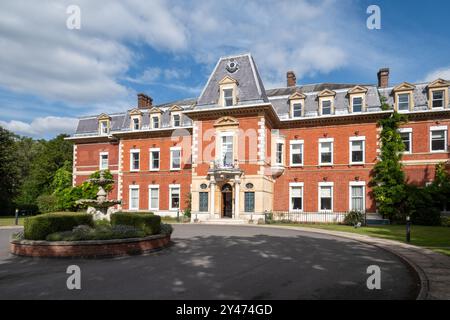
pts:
[104, 124]
[326, 107]
[404, 97]
[104, 127]
[228, 92]
[403, 102]
[176, 120]
[136, 124]
[357, 104]
[326, 102]
[438, 94]
[155, 122]
[438, 99]
[297, 103]
[228, 97]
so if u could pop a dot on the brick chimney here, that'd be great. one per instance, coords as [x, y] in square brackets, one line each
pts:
[291, 79]
[383, 78]
[144, 101]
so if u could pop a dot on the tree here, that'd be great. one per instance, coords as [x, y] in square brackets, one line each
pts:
[9, 171]
[388, 178]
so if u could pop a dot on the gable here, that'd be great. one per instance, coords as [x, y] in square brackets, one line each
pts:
[357, 89]
[405, 86]
[439, 83]
[326, 93]
[226, 121]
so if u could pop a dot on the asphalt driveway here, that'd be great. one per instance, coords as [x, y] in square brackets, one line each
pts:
[218, 262]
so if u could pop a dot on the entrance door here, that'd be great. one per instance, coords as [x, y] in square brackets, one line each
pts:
[227, 201]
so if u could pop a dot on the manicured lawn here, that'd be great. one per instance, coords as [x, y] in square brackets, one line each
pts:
[434, 238]
[10, 221]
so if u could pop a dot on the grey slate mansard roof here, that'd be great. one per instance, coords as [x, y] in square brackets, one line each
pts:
[251, 91]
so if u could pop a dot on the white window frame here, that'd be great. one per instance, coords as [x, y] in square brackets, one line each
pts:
[173, 119]
[296, 102]
[353, 103]
[409, 131]
[153, 123]
[350, 143]
[133, 118]
[325, 140]
[107, 127]
[356, 184]
[325, 184]
[172, 149]
[277, 142]
[321, 106]
[150, 188]
[409, 101]
[132, 151]
[220, 154]
[439, 128]
[443, 99]
[131, 187]
[296, 185]
[100, 160]
[171, 187]
[291, 144]
[151, 150]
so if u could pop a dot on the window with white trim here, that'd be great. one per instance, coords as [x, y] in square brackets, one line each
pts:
[296, 197]
[406, 135]
[226, 159]
[438, 139]
[438, 98]
[228, 97]
[136, 123]
[104, 127]
[279, 153]
[326, 107]
[174, 197]
[154, 159]
[297, 109]
[134, 159]
[403, 101]
[176, 120]
[249, 201]
[155, 122]
[103, 161]
[296, 153]
[357, 150]
[357, 104]
[175, 158]
[325, 152]
[134, 198]
[326, 197]
[357, 197]
[153, 197]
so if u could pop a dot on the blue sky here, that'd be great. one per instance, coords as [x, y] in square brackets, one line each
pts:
[50, 75]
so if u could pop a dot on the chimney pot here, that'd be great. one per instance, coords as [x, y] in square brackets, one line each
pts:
[383, 78]
[291, 79]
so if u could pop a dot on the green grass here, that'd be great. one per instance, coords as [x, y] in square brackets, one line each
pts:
[434, 238]
[10, 221]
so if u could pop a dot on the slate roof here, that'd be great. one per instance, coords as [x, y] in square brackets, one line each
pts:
[251, 91]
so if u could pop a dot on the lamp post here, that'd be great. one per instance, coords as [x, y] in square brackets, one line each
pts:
[17, 217]
[408, 229]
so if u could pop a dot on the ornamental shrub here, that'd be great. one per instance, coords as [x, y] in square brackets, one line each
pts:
[148, 222]
[353, 218]
[39, 227]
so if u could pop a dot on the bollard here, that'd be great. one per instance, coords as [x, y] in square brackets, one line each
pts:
[17, 217]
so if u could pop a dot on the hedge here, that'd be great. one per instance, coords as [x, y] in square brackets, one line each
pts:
[148, 222]
[39, 227]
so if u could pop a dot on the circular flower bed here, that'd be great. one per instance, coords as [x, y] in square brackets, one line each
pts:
[77, 235]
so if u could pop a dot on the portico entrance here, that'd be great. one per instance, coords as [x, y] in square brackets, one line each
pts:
[227, 201]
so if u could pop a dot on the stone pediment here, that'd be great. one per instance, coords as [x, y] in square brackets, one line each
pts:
[357, 89]
[155, 110]
[326, 93]
[297, 96]
[175, 108]
[103, 116]
[405, 86]
[439, 83]
[135, 112]
[226, 121]
[228, 80]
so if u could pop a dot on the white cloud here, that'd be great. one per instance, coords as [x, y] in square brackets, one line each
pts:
[42, 126]
[443, 73]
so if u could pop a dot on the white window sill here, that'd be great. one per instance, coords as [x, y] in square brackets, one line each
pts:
[438, 151]
[134, 170]
[296, 165]
[154, 170]
[325, 164]
[175, 169]
[357, 163]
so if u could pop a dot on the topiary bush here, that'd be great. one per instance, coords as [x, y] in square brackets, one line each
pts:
[104, 232]
[445, 221]
[353, 218]
[39, 227]
[148, 222]
[166, 229]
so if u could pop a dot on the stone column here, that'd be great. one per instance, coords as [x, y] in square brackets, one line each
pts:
[212, 191]
[237, 184]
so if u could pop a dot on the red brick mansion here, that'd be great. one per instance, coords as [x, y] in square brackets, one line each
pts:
[239, 150]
